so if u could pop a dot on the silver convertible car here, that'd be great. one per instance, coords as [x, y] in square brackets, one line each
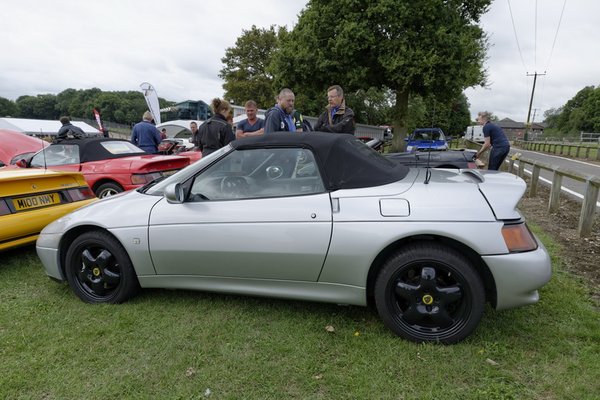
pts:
[317, 217]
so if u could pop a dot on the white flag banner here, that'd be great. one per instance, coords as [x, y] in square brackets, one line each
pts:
[151, 100]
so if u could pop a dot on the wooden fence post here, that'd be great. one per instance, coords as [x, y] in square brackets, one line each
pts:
[588, 209]
[535, 177]
[554, 201]
[521, 169]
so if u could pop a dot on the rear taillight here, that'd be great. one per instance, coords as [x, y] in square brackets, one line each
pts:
[82, 193]
[471, 165]
[4, 210]
[142, 179]
[518, 238]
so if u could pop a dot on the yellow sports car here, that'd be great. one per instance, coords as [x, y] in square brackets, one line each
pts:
[32, 198]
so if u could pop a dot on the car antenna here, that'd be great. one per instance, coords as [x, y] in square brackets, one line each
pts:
[428, 167]
[43, 148]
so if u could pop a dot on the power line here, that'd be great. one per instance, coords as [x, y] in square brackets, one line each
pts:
[516, 37]
[556, 34]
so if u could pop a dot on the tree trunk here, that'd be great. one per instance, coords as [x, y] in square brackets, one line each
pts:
[400, 114]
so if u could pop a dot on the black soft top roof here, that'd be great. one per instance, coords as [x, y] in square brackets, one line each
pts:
[91, 149]
[344, 161]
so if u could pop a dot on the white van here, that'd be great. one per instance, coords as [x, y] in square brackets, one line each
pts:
[474, 133]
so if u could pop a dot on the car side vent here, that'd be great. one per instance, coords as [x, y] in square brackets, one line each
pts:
[474, 173]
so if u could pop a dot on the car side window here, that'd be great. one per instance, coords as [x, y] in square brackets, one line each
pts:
[258, 173]
[57, 154]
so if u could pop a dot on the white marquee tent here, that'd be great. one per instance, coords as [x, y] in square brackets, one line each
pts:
[42, 127]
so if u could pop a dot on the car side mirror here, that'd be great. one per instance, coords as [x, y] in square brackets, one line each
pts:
[174, 193]
[22, 163]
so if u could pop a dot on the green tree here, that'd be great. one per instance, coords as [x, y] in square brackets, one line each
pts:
[551, 117]
[591, 107]
[372, 106]
[8, 108]
[452, 116]
[245, 69]
[42, 106]
[579, 114]
[411, 47]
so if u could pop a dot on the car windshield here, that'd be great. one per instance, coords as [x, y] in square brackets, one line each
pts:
[176, 131]
[428, 135]
[258, 173]
[56, 154]
[182, 175]
[23, 156]
[182, 134]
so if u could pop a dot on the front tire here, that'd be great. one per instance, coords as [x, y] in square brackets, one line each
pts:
[428, 292]
[99, 270]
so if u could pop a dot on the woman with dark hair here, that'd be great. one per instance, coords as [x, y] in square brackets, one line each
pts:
[216, 132]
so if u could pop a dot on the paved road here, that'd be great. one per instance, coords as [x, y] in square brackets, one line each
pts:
[570, 186]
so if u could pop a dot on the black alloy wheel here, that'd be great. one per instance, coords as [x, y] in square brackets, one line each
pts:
[428, 292]
[99, 270]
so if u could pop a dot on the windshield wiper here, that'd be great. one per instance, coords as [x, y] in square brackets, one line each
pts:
[148, 185]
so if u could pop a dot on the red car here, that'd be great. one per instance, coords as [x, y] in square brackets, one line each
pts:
[173, 146]
[109, 166]
[17, 145]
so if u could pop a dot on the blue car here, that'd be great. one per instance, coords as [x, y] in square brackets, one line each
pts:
[426, 139]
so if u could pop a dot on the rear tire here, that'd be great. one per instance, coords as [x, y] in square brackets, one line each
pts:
[99, 270]
[428, 292]
[108, 189]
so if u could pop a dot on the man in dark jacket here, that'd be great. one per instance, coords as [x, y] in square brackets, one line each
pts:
[338, 118]
[280, 117]
[69, 130]
[145, 135]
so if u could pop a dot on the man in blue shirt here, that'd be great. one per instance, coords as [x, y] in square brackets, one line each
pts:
[280, 117]
[145, 135]
[251, 126]
[495, 138]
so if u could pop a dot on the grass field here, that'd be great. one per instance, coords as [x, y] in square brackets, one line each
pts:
[193, 345]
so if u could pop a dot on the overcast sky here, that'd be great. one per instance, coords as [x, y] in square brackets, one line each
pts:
[177, 46]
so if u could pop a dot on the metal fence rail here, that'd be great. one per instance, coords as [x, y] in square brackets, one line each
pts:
[560, 148]
[592, 185]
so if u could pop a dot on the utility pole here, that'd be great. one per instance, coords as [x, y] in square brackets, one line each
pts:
[527, 125]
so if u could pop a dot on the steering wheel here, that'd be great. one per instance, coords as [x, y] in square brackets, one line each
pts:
[234, 186]
[274, 172]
